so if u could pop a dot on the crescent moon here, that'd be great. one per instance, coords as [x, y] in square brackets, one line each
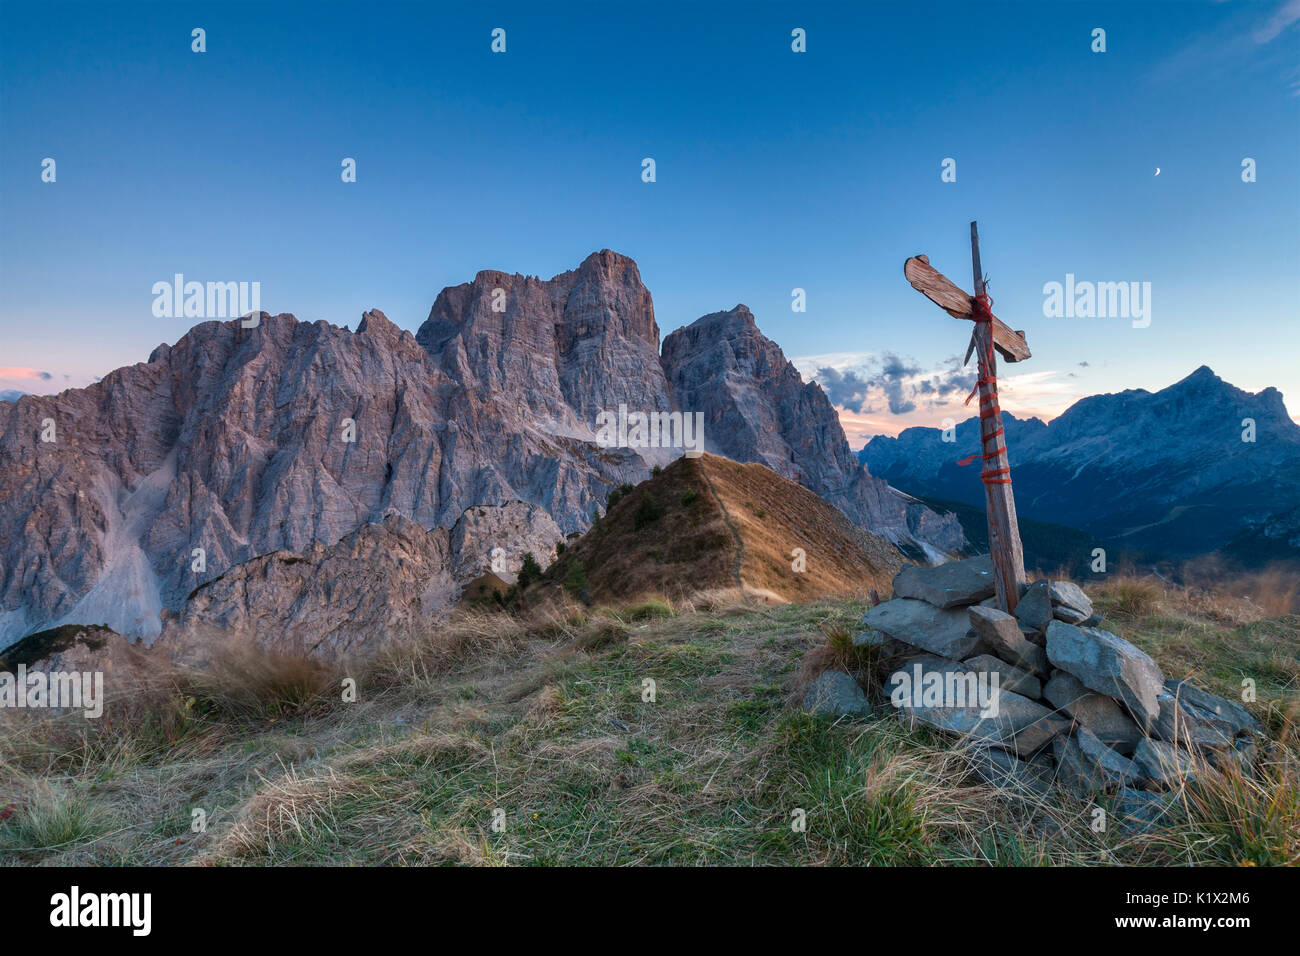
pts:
[1157, 170]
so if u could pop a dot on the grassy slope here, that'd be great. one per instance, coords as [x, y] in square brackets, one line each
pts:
[491, 714]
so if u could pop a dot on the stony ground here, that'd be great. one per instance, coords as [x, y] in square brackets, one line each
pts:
[492, 741]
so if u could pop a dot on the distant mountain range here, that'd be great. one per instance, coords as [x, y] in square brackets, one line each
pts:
[1164, 473]
[241, 458]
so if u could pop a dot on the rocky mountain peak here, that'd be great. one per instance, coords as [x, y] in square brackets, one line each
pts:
[757, 407]
[563, 350]
[374, 322]
[1202, 375]
[609, 262]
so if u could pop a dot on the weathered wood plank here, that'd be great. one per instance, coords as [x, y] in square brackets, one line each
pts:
[943, 292]
[1004, 528]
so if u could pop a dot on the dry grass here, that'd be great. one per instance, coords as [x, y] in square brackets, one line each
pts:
[424, 656]
[1131, 597]
[546, 726]
[244, 682]
[1273, 590]
[713, 524]
[773, 516]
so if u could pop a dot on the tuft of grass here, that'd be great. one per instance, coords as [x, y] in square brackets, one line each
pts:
[603, 632]
[1131, 597]
[50, 820]
[866, 796]
[426, 655]
[243, 682]
[837, 652]
[648, 610]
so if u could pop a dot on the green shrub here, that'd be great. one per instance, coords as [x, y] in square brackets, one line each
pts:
[647, 512]
[615, 496]
[690, 497]
[530, 571]
[575, 578]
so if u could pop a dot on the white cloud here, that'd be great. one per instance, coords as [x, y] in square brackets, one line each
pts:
[1282, 18]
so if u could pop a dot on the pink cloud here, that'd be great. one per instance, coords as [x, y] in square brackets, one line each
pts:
[25, 373]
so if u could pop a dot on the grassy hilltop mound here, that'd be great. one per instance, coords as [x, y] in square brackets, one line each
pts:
[710, 523]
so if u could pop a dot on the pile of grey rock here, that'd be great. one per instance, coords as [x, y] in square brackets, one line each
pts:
[1077, 706]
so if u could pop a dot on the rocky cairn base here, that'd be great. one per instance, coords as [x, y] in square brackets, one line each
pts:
[1074, 706]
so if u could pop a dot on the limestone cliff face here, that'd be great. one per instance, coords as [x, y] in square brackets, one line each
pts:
[385, 578]
[236, 444]
[243, 442]
[757, 408]
[496, 539]
[561, 351]
[377, 581]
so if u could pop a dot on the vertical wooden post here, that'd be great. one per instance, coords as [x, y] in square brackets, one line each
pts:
[1004, 531]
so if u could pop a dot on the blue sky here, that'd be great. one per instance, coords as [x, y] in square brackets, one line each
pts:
[775, 170]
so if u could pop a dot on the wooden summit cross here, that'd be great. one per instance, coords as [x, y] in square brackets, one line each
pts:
[989, 334]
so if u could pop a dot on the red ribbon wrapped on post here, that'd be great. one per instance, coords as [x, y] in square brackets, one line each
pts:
[982, 311]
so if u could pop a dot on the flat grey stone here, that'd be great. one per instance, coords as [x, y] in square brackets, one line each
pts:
[1190, 727]
[1140, 811]
[1071, 773]
[1209, 735]
[836, 694]
[1084, 765]
[1069, 596]
[928, 663]
[1114, 768]
[1163, 765]
[1243, 757]
[1069, 615]
[956, 583]
[1109, 665]
[1214, 706]
[1019, 724]
[994, 624]
[921, 624]
[1010, 677]
[1175, 722]
[1000, 635]
[1097, 712]
[1035, 661]
[1010, 774]
[1035, 607]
